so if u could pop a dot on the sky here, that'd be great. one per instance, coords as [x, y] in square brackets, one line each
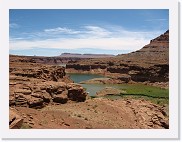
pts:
[51, 32]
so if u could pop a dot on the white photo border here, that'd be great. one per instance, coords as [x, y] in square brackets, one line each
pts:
[171, 133]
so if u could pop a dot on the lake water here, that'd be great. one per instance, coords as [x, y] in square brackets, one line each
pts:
[93, 88]
[137, 89]
[79, 77]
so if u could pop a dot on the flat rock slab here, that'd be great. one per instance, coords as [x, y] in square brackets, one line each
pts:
[109, 91]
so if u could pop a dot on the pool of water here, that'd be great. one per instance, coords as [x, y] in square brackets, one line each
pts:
[131, 89]
[79, 77]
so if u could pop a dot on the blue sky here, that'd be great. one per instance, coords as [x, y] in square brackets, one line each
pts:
[52, 32]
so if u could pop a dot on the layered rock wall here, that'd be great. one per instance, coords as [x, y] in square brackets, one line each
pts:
[36, 85]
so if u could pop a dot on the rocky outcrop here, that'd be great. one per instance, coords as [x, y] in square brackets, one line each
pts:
[156, 73]
[149, 115]
[61, 98]
[15, 120]
[35, 102]
[35, 85]
[118, 69]
[23, 67]
[85, 67]
[76, 92]
[43, 93]
[52, 73]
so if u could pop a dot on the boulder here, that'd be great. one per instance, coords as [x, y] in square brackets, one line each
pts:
[55, 88]
[46, 97]
[61, 98]
[35, 102]
[42, 94]
[76, 92]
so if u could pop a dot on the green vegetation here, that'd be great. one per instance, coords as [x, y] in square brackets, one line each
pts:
[157, 101]
[144, 90]
[138, 91]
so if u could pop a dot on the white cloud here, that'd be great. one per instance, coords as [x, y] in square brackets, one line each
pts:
[101, 43]
[89, 31]
[13, 25]
[61, 30]
[93, 37]
[97, 31]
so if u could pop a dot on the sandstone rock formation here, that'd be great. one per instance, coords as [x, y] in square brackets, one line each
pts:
[23, 68]
[45, 92]
[76, 92]
[35, 85]
[15, 120]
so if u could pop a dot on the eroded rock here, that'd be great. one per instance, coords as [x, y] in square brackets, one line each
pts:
[15, 120]
[76, 92]
[61, 98]
[35, 102]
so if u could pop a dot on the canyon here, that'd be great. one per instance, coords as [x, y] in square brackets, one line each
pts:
[42, 95]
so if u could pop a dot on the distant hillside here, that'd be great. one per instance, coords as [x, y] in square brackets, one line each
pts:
[62, 59]
[77, 55]
[156, 52]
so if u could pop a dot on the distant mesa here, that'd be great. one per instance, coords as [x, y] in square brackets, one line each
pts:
[70, 54]
[77, 55]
